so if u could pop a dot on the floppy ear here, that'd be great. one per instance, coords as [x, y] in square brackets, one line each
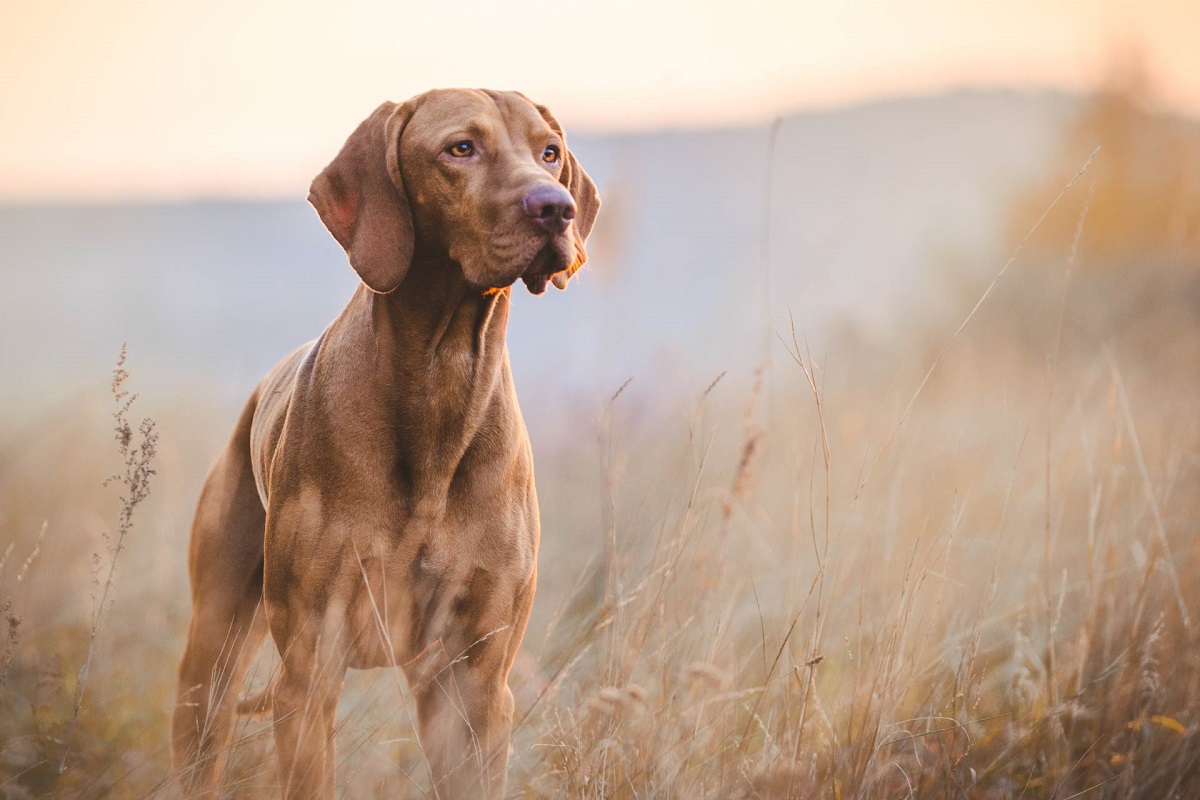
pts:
[360, 198]
[587, 201]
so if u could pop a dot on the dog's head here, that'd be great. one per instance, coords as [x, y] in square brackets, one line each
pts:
[483, 178]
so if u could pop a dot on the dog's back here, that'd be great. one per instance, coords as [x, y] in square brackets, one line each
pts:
[270, 404]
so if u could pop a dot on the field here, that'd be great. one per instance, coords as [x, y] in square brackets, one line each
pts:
[963, 563]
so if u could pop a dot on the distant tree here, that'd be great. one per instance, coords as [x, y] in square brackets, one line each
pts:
[1146, 197]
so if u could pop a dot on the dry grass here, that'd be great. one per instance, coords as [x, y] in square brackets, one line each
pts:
[773, 590]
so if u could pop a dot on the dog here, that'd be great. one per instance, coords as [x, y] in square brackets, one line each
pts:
[375, 505]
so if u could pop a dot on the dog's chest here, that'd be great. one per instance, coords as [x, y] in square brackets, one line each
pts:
[440, 583]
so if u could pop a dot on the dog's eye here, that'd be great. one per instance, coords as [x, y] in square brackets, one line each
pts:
[550, 154]
[461, 149]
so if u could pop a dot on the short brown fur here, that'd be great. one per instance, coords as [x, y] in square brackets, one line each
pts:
[375, 506]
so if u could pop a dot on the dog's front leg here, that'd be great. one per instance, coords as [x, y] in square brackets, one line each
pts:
[464, 705]
[465, 719]
[304, 705]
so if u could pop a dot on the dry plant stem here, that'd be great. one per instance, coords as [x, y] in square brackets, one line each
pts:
[612, 587]
[11, 617]
[821, 554]
[138, 456]
[1048, 538]
[1162, 547]
[765, 258]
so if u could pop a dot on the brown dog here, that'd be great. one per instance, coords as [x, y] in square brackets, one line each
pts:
[377, 497]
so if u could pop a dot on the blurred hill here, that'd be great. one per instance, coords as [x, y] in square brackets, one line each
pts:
[687, 271]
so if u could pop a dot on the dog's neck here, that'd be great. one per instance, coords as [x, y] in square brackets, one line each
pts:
[440, 392]
[435, 309]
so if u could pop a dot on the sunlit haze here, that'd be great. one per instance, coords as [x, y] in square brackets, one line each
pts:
[126, 99]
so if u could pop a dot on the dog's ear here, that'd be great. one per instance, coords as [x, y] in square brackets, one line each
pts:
[587, 201]
[360, 197]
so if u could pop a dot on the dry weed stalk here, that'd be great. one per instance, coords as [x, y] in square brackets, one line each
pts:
[12, 633]
[137, 454]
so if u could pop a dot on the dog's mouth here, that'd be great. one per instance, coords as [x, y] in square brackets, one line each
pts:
[547, 266]
[553, 263]
[537, 260]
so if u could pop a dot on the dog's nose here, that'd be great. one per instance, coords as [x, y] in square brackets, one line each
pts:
[550, 206]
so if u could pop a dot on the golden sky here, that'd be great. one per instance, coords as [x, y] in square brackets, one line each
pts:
[158, 98]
